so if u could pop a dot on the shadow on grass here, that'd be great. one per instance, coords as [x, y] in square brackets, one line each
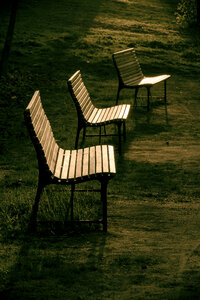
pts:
[62, 266]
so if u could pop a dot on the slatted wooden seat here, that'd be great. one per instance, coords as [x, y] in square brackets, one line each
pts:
[130, 75]
[91, 116]
[68, 167]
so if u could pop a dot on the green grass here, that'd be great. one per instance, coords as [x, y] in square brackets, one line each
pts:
[151, 250]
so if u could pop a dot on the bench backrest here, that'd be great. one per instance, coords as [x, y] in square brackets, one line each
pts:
[128, 67]
[41, 134]
[80, 96]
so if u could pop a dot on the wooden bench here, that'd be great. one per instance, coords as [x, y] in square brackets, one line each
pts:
[67, 167]
[91, 116]
[130, 75]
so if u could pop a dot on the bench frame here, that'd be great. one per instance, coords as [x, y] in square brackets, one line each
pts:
[84, 122]
[40, 139]
[140, 79]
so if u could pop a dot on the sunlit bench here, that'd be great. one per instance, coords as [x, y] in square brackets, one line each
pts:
[130, 75]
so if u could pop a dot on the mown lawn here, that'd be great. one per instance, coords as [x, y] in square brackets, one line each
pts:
[151, 250]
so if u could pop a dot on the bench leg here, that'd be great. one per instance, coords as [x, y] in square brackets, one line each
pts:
[135, 99]
[165, 92]
[104, 129]
[33, 218]
[104, 184]
[148, 98]
[84, 134]
[77, 137]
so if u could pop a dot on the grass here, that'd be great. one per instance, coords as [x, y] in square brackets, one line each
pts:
[151, 250]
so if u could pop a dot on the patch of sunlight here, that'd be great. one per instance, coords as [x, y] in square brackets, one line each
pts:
[132, 24]
[163, 152]
[124, 1]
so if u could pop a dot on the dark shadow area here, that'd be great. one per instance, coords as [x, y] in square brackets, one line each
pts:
[41, 264]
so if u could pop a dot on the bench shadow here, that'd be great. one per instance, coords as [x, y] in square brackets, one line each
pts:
[55, 260]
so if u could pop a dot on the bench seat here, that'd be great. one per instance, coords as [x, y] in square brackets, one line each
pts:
[84, 164]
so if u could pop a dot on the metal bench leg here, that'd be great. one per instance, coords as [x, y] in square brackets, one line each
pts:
[119, 135]
[77, 136]
[84, 134]
[165, 91]
[104, 184]
[135, 99]
[33, 219]
[104, 126]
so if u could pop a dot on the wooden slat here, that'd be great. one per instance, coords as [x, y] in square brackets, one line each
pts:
[154, 79]
[85, 162]
[97, 115]
[121, 113]
[87, 107]
[54, 158]
[59, 163]
[105, 158]
[104, 117]
[84, 101]
[125, 115]
[78, 87]
[36, 113]
[89, 112]
[79, 162]
[81, 93]
[113, 113]
[33, 101]
[45, 137]
[39, 121]
[129, 67]
[98, 159]
[72, 166]
[82, 96]
[92, 116]
[74, 76]
[50, 147]
[65, 166]
[111, 109]
[119, 107]
[49, 140]
[92, 161]
[103, 111]
[112, 165]
[42, 127]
